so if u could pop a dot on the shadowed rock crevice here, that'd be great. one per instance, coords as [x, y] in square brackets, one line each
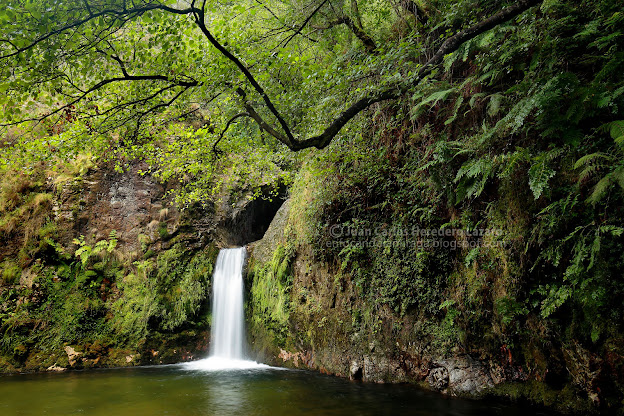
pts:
[249, 218]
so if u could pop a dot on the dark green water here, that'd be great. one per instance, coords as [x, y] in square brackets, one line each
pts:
[173, 390]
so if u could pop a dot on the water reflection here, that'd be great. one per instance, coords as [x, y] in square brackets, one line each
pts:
[174, 390]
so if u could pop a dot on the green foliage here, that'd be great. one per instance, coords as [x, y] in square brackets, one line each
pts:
[541, 172]
[86, 252]
[11, 272]
[605, 167]
[138, 303]
[182, 283]
[519, 130]
[270, 294]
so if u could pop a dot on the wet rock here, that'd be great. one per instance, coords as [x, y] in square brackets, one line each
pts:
[72, 355]
[466, 376]
[438, 378]
[264, 248]
[27, 278]
[294, 357]
[246, 219]
[584, 368]
[56, 368]
[381, 369]
[355, 371]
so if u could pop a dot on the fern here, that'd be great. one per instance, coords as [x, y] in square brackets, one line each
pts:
[592, 164]
[494, 104]
[595, 163]
[511, 161]
[473, 176]
[431, 100]
[458, 104]
[616, 177]
[541, 172]
[616, 130]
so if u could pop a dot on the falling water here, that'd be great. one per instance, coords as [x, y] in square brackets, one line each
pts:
[228, 319]
[227, 306]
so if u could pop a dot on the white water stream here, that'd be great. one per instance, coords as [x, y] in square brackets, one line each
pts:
[227, 351]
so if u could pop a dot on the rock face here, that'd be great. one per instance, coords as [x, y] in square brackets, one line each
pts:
[247, 219]
[72, 355]
[355, 372]
[324, 325]
[459, 376]
[263, 249]
[438, 378]
[128, 203]
[137, 208]
[324, 337]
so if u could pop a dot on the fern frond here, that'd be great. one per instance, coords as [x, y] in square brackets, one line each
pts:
[456, 108]
[513, 160]
[432, 100]
[541, 171]
[616, 131]
[592, 158]
[601, 189]
[589, 172]
[473, 176]
[618, 176]
[474, 98]
[494, 104]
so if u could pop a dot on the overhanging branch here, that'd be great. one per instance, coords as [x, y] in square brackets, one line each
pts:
[225, 129]
[283, 132]
[450, 45]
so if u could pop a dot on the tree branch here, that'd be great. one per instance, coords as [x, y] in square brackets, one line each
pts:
[285, 135]
[102, 84]
[367, 41]
[412, 7]
[285, 27]
[288, 139]
[227, 126]
[135, 11]
[450, 45]
[303, 24]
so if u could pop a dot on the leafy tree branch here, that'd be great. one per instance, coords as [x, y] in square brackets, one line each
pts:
[114, 15]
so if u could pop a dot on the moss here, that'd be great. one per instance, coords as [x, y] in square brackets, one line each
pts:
[270, 290]
[162, 231]
[6, 366]
[11, 272]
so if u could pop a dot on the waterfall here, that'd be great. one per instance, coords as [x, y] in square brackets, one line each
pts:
[227, 351]
[227, 305]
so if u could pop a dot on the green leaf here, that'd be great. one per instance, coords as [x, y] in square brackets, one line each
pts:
[617, 131]
[539, 175]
